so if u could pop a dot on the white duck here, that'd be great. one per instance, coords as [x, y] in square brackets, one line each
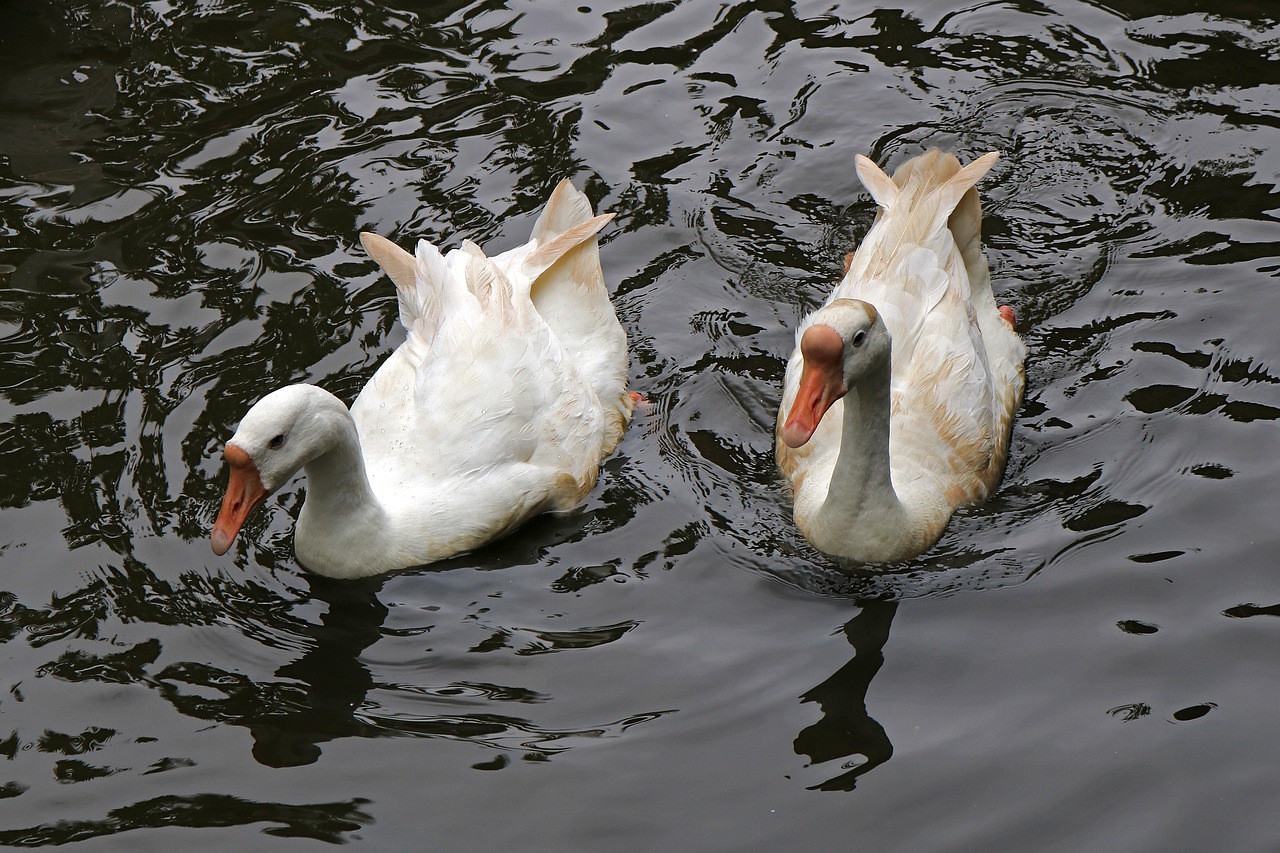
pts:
[899, 398]
[501, 404]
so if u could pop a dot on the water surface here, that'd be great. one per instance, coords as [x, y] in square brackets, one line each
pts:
[1086, 662]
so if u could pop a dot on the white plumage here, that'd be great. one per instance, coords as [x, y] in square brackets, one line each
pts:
[899, 399]
[508, 392]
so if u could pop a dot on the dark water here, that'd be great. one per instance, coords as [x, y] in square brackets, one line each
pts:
[1090, 661]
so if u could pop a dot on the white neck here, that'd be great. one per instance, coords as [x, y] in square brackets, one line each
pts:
[862, 517]
[336, 480]
[341, 515]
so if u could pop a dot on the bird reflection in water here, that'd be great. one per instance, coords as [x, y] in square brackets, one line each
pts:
[336, 681]
[846, 729]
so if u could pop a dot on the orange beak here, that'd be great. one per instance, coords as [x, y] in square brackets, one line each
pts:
[244, 493]
[821, 383]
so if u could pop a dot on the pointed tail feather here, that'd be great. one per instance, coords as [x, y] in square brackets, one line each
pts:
[416, 280]
[566, 207]
[966, 179]
[395, 262]
[881, 186]
[551, 250]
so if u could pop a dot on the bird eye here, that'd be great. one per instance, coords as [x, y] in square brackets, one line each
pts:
[859, 339]
[276, 443]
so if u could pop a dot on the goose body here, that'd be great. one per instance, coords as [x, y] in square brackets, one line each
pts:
[501, 403]
[899, 398]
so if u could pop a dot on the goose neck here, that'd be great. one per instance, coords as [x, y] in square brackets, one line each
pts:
[337, 482]
[862, 471]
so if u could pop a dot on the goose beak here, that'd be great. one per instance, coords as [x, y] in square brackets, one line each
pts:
[821, 383]
[244, 493]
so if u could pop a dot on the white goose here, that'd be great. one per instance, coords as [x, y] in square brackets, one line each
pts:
[501, 404]
[899, 398]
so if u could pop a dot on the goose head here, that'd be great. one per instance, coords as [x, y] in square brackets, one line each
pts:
[844, 343]
[280, 434]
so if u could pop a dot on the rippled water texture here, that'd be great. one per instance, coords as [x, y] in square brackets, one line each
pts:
[1087, 662]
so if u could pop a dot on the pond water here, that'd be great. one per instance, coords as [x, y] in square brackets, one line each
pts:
[1089, 661]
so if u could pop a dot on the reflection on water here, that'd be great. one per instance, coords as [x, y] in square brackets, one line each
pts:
[181, 186]
[288, 733]
[330, 822]
[324, 694]
[847, 728]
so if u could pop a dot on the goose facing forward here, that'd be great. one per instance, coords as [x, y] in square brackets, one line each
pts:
[899, 398]
[501, 403]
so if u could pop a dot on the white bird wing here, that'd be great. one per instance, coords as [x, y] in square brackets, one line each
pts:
[481, 399]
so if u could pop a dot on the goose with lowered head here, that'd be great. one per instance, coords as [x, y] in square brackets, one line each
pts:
[899, 398]
[501, 403]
